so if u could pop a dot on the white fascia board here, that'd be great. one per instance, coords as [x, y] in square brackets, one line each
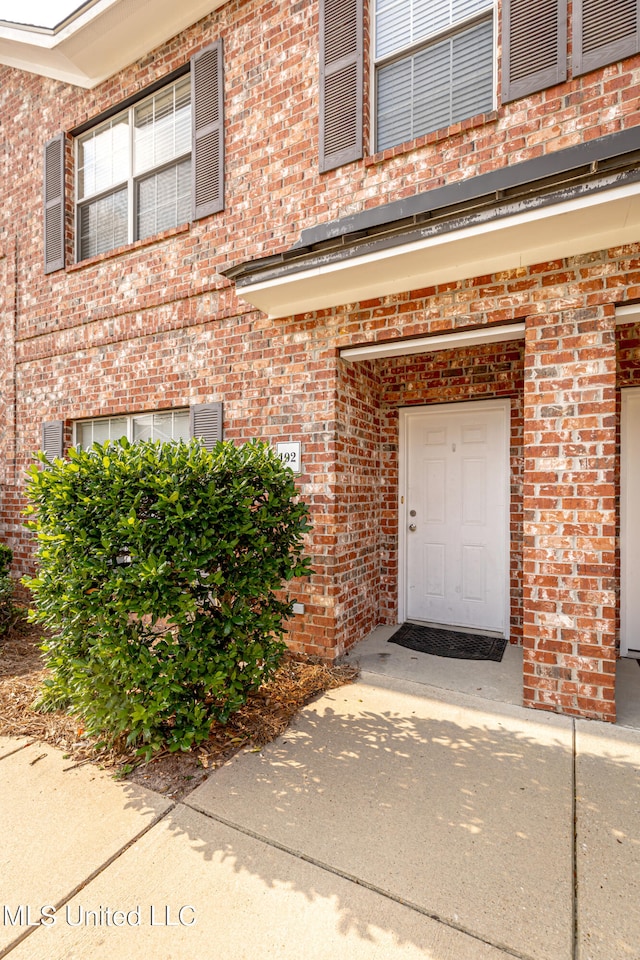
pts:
[447, 341]
[630, 313]
[102, 39]
[570, 228]
[459, 338]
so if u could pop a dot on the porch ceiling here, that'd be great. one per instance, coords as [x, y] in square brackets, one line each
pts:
[595, 221]
[99, 38]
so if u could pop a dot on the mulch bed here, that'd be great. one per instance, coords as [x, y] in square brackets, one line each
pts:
[264, 717]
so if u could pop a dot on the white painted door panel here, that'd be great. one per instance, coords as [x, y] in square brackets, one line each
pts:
[457, 515]
[630, 525]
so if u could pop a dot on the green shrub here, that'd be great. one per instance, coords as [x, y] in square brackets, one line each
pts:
[158, 572]
[8, 611]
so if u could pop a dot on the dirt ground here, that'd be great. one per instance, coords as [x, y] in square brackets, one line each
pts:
[265, 716]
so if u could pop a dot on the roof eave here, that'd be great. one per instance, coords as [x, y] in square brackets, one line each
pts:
[99, 39]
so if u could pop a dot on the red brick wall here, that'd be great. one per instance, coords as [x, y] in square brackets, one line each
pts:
[358, 501]
[273, 185]
[569, 513]
[10, 479]
[153, 325]
[279, 380]
[628, 337]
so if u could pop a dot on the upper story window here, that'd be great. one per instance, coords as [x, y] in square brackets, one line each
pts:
[152, 165]
[434, 65]
[134, 172]
[434, 61]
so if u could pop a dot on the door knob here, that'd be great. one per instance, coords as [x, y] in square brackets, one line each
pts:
[412, 526]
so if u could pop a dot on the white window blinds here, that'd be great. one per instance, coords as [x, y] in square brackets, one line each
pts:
[435, 65]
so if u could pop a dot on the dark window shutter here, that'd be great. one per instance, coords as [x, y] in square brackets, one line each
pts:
[54, 204]
[53, 438]
[207, 112]
[205, 423]
[604, 31]
[534, 46]
[341, 79]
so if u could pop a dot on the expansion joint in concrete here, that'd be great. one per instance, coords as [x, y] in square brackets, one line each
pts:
[344, 875]
[91, 876]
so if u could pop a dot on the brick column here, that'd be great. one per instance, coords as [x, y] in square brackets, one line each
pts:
[569, 512]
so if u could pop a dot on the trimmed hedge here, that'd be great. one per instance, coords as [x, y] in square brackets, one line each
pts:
[160, 568]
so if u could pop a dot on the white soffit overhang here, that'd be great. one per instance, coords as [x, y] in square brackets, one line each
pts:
[569, 228]
[629, 313]
[100, 39]
[446, 341]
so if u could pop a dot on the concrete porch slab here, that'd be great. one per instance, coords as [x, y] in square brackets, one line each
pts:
[59, 826]
[477, 678]
[607, 841]
[464, 812]
[248, 899]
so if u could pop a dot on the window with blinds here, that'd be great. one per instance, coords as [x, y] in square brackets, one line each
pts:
[204, 421]
[434, 63]
[134, 172]
[142, 169]
[163, 426]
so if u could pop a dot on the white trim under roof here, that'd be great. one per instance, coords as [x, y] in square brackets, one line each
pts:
[445, 341]
[597, 221]
[629, 313]
[99, 38]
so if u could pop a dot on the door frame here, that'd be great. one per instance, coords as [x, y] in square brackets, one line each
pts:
[625, 495]
[405, 415]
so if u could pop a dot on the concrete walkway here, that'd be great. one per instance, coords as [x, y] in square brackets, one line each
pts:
[393, 821]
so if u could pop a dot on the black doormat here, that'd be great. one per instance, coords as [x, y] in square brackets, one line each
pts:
[449, 643]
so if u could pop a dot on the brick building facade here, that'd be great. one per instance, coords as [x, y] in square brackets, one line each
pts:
[366, 298]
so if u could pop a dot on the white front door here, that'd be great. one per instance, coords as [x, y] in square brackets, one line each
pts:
[630, 524]
[455, 514]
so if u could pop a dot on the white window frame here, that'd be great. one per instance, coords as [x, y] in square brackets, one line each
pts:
[129, 417]
[377, 62]
[132, 179]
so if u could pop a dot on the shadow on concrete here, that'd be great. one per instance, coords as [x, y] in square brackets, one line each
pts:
[447, 813]
[467, 820]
